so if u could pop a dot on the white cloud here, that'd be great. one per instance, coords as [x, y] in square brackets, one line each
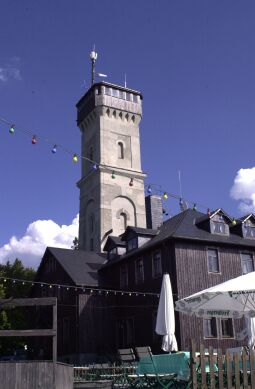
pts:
[10, 70]
[243, 189]
[39, 234]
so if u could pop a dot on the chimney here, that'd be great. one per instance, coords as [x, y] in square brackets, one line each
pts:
[154, 211]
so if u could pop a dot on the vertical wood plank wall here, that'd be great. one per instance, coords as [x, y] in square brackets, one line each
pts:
[193, 258]
[33, 375]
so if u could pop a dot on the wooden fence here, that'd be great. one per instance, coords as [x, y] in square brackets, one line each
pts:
[35, 375]
[212, 369]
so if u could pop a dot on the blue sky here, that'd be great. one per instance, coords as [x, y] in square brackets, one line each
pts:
[194, 62]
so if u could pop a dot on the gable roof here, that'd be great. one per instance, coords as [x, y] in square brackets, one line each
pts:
[81, 266]
[210, 215]
[184, 226]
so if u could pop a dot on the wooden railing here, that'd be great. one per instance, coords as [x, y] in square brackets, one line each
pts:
[212, 369]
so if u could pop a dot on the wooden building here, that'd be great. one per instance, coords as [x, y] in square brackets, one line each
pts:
[197, 250]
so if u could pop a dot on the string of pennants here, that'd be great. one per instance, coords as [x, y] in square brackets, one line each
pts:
[150, 188]
[84, 289]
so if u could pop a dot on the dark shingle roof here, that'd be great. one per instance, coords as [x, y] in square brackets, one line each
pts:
[139, 231]
[184, 226]
[113, 241]
[80, 265]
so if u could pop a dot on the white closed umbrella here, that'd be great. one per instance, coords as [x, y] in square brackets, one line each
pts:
[165, 324]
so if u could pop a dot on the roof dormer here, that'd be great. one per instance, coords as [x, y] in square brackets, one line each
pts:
[136, 237]
[216, 222]
[114, 247]
[245, 227]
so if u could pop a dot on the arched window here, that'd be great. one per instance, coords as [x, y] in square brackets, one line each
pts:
[91, 153]
[123, 221]
[120, 150]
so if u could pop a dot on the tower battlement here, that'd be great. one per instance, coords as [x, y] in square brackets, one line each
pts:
[110, 95]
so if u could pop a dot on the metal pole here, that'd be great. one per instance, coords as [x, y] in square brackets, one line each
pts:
[93, 61]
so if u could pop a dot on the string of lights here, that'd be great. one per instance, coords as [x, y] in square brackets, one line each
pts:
[150, 188]
[83, 288]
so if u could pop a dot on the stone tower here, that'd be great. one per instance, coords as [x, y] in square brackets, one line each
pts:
[111, 193]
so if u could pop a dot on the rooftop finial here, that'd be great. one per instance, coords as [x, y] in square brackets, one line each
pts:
[93, 57]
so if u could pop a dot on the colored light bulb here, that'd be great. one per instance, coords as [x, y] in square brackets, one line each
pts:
[194, 207]
[131, 183]
[34, 140]
[149, 189]
[95, 166]
[75, 158]
[234, 222]
[165, 196]
[113, 175]
[11, 130]
[54, 149]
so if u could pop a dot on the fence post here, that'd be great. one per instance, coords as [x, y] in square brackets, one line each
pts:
[193, 372]
[202, 366]
[220, 368]
[252, 369]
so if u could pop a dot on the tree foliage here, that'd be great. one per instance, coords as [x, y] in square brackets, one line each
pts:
[13, 318]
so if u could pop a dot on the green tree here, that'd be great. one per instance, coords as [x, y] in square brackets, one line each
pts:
[10, 287]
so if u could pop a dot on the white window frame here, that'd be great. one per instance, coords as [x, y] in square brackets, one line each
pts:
[245, 262]
[218, 324]
[210, 270]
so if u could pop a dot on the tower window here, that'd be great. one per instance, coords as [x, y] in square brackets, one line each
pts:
[91, 244]
[120, 150]
[123, 221]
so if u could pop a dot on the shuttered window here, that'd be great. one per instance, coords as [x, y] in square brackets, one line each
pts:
[213, 260]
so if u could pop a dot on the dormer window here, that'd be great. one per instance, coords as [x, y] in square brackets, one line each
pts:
[218, 225]
[132, 243]
[248, 229]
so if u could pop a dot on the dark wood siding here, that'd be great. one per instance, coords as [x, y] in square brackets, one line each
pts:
[192, 276]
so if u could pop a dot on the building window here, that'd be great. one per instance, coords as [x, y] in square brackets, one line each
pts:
[124, 276]
[227, 328]
[139, 272]
[219, 226]
[218, 328]
[108, 91]
[125, 332]
[135, 99]
[210, 328]
[156, 264]
[123, 221]
[247, 263]
[249, 229]
[112, 253]
[132, 243]
[115, 92]
[213, 261]
[91, 244]
[120, 150]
